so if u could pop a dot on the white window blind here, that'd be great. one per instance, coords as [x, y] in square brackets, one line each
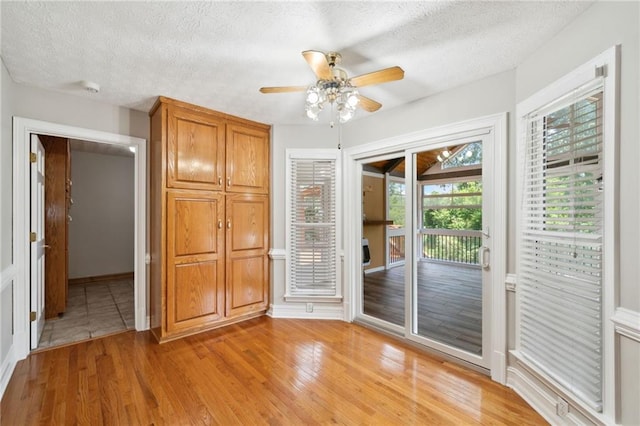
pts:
[312, 267]
[561, 262]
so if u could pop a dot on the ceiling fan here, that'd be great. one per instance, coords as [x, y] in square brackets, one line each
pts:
[336, 88]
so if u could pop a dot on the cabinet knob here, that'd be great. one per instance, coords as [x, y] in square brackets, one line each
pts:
[228, 181]
[228, 224]
[220, 180]
[219, 224]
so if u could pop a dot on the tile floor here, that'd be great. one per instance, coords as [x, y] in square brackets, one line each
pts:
[93, 310]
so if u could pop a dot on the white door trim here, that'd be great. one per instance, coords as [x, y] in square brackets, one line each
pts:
[354, 156]
[22, 128]
[37, 258]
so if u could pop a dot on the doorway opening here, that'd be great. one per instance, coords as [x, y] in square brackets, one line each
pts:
[88, 240]
[26, 331]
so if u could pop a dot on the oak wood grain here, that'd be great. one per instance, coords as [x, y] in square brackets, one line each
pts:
[195, 152]
[55, 223]
[164, 101]
[247, 166]
[191, 175]
[247, 247]
[157, 220]
[262, 371]
[195, 258]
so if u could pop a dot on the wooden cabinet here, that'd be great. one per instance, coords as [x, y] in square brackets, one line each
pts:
[195, 151]
[247, 150]
[247, 253]
[209, 219]
[195, 259]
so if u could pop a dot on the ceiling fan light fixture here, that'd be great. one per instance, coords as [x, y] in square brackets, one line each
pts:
[313, 95]
[334, 87]
[352, 99]
[346, 114]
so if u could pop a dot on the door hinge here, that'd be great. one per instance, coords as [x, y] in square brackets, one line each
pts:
[33, 237]
[32, 316]
[33, 157]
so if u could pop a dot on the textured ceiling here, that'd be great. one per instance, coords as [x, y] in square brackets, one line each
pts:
[218, 54]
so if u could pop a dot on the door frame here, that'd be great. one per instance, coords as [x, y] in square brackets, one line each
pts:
[433, 138]
[22, 129]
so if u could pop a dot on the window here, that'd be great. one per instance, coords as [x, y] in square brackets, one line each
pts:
[452, 205]
[560, 267]
[396, 202]
[469, 155]
[312, 261]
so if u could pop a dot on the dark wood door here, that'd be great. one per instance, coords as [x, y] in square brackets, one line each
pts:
[57, 182]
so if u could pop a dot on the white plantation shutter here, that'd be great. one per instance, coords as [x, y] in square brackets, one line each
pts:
[561, 262]
[312, 245]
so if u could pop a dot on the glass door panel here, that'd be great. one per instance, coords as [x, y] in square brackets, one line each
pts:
[448, 277]
[384, 212]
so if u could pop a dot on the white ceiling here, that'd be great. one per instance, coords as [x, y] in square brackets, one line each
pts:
[218, 54]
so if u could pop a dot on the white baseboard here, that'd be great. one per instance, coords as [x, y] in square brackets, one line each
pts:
[6, 370]
[8, 364]
[299, 310]
[543, 398]
[539, 400]
[498, 364]
[372, 270]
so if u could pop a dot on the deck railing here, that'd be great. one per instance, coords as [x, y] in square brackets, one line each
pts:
[396, 248]
[451, 245]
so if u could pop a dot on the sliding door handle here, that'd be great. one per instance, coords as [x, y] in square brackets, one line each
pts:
[484, 257]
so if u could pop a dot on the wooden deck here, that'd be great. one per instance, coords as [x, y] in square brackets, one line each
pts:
[449, 302]
[259, 372]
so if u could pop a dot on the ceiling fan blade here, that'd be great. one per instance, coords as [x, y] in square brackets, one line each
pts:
[318, 63]
[377, 77]
[284, 89]
[368, 104]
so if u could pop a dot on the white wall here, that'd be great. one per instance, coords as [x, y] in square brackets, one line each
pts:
[61, 108]
[6, 271]
[600, 27]
[5, 169]
[101, 234]
[283, 137]
[491, 95]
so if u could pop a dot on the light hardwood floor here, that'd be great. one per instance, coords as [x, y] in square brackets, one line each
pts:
[262, 371]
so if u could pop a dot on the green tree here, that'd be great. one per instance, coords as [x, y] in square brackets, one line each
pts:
[455, 217]
[397, 203]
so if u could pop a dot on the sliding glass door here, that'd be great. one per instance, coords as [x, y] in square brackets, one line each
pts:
[434, 285]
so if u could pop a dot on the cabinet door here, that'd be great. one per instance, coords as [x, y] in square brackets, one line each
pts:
[195, 259]
[247, 160]
[247, 247]
[195, 151]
